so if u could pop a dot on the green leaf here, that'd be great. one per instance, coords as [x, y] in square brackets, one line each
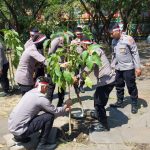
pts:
[46, 43]
[66, 38]
[88, 82]
[84, 55]
[58, 71]
[60, 51]
[96, 59]
[68, 77]
[56, 35]
[89, 62]
[94, 46]
[19, 48]
[70, 33]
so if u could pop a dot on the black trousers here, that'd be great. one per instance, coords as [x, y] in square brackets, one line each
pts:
[25, 88]
[42, 122]
[50, 92]
[128, 77]
[101, 97]
[4, 79]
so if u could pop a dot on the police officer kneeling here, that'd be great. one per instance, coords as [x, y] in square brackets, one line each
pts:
[24, 119]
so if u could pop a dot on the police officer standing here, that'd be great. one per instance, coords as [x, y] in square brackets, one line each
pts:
[39, 71]
[126, 61]
[105, 82]
[26, 67]
[4, 65]
[55, 44]
[77, 41]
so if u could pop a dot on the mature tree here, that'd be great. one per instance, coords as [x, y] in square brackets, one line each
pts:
[102, 12]
[21, 14]
[131, 10]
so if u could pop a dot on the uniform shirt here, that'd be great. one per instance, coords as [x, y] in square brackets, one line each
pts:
[125, 53]
[26, 67]
[104, 73]
[55, 44]
[77, 42]
[28, 107]
[3, 59]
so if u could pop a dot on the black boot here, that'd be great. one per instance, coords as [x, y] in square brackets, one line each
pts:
[21, 139]
[134, 108]
[100, 114]
[82, 89]
[118, 104]
[45, 146]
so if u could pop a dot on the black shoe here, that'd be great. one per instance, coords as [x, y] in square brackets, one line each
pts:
[99, 128]
[134, 109]
[93, 114]
[117, 105]
[46, 146]
[22, 140]
[82, 89]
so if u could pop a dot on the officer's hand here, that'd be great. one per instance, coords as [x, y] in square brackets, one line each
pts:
[67, 109]
[138, 72]
[64, 65]
[1, 72]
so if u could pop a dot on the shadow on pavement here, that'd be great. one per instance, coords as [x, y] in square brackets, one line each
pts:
[116, 118]
[141, 102]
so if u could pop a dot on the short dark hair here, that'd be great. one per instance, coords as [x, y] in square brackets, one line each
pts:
[115, 26]
[34, 29]
[43, 79]
[78, 29]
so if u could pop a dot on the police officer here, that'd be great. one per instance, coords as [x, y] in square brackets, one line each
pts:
[105, 82]
[25, 120]
[127, 65]
[77, 41]
[55, 44]
[4, 65]
[26, 67]
[39, 71]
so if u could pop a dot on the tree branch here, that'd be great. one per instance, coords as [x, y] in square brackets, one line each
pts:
[6, 19]
[13, 13]
[40, 6]
[85, 7]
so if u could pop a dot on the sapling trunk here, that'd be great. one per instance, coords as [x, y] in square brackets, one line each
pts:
[70, 129]
[10, 75]
[12, 69]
